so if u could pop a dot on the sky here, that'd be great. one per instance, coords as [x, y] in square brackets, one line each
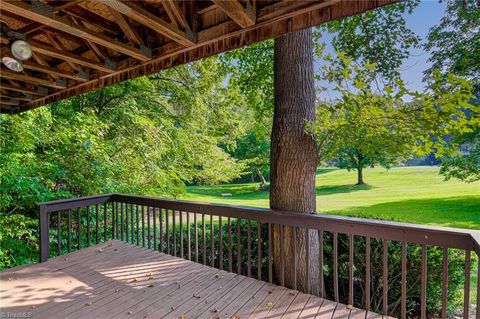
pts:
[427, 14]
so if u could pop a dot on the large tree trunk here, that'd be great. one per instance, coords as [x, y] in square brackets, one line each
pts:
[360, 175]
[293, 154]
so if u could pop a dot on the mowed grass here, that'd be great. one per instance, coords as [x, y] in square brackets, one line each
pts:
[407, 194]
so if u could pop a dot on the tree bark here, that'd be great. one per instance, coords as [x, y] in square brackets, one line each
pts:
[294, 156]
[360, 175]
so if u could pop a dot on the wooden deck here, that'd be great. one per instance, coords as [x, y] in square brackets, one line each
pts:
[120, 280]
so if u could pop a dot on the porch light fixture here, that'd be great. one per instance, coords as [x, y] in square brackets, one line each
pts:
[12, 64]
[19, 48]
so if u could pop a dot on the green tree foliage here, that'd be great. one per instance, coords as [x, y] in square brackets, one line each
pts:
[251, 73]
[145, 136]
[376, 36]
[454, 45]
[366, 126]
[370, 125]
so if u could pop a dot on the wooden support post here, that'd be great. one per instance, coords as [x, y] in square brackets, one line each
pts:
[44, 239]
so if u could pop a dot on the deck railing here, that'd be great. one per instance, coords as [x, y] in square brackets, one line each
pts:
[393, 268]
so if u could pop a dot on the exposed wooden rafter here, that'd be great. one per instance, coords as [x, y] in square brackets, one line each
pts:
[175, 14]
[244, 17]
[82, 45]
[33, 80]
[22, 89]
[29, 65]
[67, 56]
[148, 19]
[64, 25]
[127, 29]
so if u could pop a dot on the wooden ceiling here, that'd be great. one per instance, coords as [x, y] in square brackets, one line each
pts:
[82, 45]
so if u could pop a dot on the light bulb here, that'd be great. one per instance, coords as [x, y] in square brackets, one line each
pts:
[21, 50]
[12, 64]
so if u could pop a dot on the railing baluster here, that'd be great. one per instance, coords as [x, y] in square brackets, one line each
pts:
[367, 273]
[180, 214]
[167, 231]
[239, 245]
[154, 220]
[122, 222]
[160, 217]
[148, 228]
[404, 281]
[127, 222]
[385, 277]
[320, 262]
[196, 236]
[79, 228]
[466, 291]
[189, 253]
[105, 223]
[249, 248]
[59, 233]
[115, 233]
[174, 233]
[96, 223]
[204, 241]
[307, 261]
[259, 250]
[423, 294]
[143, 226]
[335, 266]
[220, 243]
[477, 316]
[88, 225]
[229, 245]
[270, 257]
[294, 255]
[69, 237]
[212, 238]
[137, 219]
[132, 224]
[282, 255]
[445, 282]
[350, 269]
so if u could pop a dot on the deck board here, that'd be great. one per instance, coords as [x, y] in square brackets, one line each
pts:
[121, 280]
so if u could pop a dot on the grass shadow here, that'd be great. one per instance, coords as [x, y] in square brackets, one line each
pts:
[459, 211]
[339, 189]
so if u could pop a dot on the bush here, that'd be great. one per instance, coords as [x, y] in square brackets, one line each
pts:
[18, 240]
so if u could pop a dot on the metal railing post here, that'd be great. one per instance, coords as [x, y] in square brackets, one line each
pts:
[44, 236]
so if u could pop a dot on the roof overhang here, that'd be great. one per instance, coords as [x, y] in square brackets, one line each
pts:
[82, 45]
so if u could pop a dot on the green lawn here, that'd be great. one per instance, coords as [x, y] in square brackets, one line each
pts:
[408, 194]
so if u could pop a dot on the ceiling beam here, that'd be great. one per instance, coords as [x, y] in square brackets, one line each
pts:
[21, 89]
[9, 101]
[67, 56]
[52, 71]
[148, 19]
[33, 80]
[244, 17]
[127, 29]
[175, 13]
[65, 25]
[18, 98]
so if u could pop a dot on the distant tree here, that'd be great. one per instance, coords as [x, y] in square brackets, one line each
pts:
[366, 126]
[454, 45]
[370, 125]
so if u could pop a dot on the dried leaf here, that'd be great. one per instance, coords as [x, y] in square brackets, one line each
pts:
[89, 303]
[130, 312]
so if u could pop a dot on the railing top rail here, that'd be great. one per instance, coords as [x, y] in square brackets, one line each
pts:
[412, 233]
[62, 204]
